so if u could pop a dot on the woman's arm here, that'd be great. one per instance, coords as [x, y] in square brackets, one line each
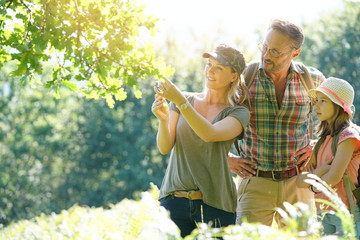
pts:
[166, 133]
[226, 129]
[165, 138]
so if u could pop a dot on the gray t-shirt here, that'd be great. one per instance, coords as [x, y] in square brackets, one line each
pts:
[196, 164]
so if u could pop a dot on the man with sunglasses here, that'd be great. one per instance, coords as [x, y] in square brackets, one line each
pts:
[277, 140]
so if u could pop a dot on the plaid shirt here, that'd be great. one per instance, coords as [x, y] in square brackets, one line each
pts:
[275, 133]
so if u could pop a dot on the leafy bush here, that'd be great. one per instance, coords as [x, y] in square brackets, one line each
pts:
[129, 219]
[145, 219]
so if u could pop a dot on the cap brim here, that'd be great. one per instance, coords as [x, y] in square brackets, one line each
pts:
[210, 54]
[218, 58]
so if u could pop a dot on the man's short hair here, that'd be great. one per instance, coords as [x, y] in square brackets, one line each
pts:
[293, 31]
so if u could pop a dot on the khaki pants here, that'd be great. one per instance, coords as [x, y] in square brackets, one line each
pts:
[259, 197]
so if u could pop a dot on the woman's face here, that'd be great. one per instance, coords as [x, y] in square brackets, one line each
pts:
[324, 107]
[218, 76]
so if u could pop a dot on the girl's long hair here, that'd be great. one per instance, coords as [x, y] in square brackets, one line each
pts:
[339, 121]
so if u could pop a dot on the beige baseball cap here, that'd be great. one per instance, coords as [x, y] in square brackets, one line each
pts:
[228, 56]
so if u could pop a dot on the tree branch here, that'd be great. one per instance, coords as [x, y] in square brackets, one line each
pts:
[1, 22]
[78, 27]
[27, 32]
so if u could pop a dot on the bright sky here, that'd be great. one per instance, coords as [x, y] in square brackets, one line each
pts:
[233, 17]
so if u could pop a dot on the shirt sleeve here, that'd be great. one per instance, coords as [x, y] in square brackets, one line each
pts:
[349, 133]
[242, 114]
[173, 107]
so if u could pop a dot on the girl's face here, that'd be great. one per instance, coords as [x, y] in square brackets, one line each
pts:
[218, 76]
[324, 107]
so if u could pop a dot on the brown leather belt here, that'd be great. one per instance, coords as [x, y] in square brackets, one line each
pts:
[192, 195]
[279, 175]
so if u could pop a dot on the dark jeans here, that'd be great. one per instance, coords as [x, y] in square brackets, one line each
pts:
[186, 213]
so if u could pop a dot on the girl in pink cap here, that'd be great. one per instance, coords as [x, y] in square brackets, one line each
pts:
[333, 104]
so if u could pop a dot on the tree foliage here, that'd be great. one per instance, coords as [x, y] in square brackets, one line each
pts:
[333, 46]
[94, 42]
[59, 152]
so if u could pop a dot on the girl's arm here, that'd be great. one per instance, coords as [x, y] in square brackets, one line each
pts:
[342, 158]
[311, 169]
[332, 170]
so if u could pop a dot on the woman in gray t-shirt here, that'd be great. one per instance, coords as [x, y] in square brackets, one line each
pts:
[199, 129]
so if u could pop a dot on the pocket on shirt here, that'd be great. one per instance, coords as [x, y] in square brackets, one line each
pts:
[299, 104]
[260, 97]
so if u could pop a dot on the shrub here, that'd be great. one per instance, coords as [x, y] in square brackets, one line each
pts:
[129, 219]
[145, 219]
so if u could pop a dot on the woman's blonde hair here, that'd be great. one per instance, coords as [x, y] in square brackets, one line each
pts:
[238, 93]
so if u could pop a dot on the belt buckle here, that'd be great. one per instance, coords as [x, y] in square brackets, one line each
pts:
[188, 195]
[273, 177]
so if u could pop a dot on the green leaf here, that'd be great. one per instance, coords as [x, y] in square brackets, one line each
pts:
[56, 92]
[138, 93]
[109, 100]
[72, 86]
[21, 69]
[49, 84]
[120, 94]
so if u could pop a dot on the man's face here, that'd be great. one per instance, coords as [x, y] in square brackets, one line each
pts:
[277, 52]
